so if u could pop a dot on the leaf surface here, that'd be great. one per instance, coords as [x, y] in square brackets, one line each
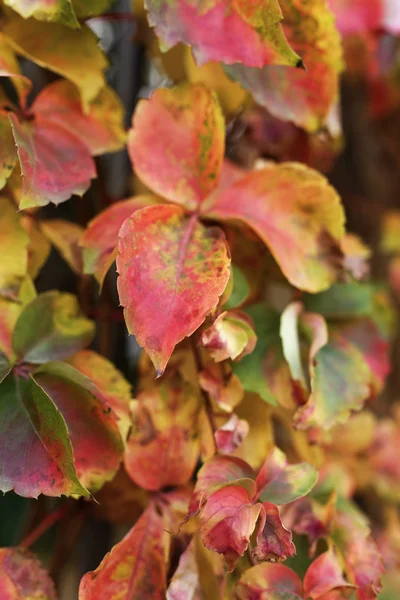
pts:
[92, 426]
[8, 154]
[230, 336]
[305, 97]
[164, 446]
[281, 483]
[66, 237]
[54, 163]
[324, 575]
[59, 11]
[185, 130]
[13, 248]
[22, 577]
[51, 327]
[100, 128]
[73, 54]
[172, 271]
[296, 213]
[274, 541]
[35, 448]
[100, 239]
[135, 567]
[214, 28]
[269, 580]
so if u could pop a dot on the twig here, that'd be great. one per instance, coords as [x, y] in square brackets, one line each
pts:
[48, 522]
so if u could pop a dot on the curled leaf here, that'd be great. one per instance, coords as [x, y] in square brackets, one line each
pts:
[230, 336]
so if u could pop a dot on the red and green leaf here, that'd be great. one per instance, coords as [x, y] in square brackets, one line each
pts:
[230, 336]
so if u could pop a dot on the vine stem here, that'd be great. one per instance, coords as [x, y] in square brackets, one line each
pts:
[49, 520]
[207, 402]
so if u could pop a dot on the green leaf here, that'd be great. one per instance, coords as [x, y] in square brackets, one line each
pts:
[51, 327]
[342, 301]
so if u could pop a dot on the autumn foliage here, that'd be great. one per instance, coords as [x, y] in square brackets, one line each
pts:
[256, 456]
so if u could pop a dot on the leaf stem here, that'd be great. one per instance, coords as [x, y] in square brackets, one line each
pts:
[48, 522]
[207, 402]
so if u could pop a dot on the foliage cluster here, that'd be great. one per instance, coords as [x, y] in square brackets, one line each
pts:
[253, 456]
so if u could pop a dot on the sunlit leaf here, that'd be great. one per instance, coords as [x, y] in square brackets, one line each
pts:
[110, 382]
[9, 67]
[305, 97]
[172, 271]
[184, 128]
[100, 239]
[281, 483]
[10, 311]
[35, 447]
[272, 581]
[100, 128]
[135, 567]
[39, 246]
[73, 54]
[213, 31]
[60, 11]
[51, 327]
[260, 439]
[13, 248]
[90, 8]
[92, 427]
[296, 213]
[54, 163]
[66, 237]
[230, 336]
[163, 446]
[23, 577]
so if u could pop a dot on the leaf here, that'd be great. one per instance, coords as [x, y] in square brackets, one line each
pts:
[185, 130]
[60, 11]
[342, 301]
[340, 383]
[357, 17]
[13, 248]
[265, 370]
[100, 238]
[281, 483]
[230, 336]
[135, 567]
[213, 30]
[39, 247]
[185, 582]
[305, 97]
[172, 271]
[66, 237]
[231, 434]
[9, 67]
[260, 438]
[227, 521]
[8, 154]
[110, 382]
[274, 541]
[100, 128]
[91, 8]
[324, 575]
[51, 328]
[73, 54]
[296, 213]
[54, 163]
[22, 576]
[268, 580]
[10, 310]
[225, 392]
[35, 448]
[164, 446]
[93, 430]
[240, 289]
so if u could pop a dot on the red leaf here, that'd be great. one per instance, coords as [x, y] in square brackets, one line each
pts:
[324, 575]
[231, 435]
[230, 336]
[163, 447]
[269, 582]
[23, 577]
[101, 235]
[222, 31]
[274, 541]
[296, 213]
[227, 521]
[177, 142]
[100, 128]
[172, 271]
[54, 163]
[135, 568]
